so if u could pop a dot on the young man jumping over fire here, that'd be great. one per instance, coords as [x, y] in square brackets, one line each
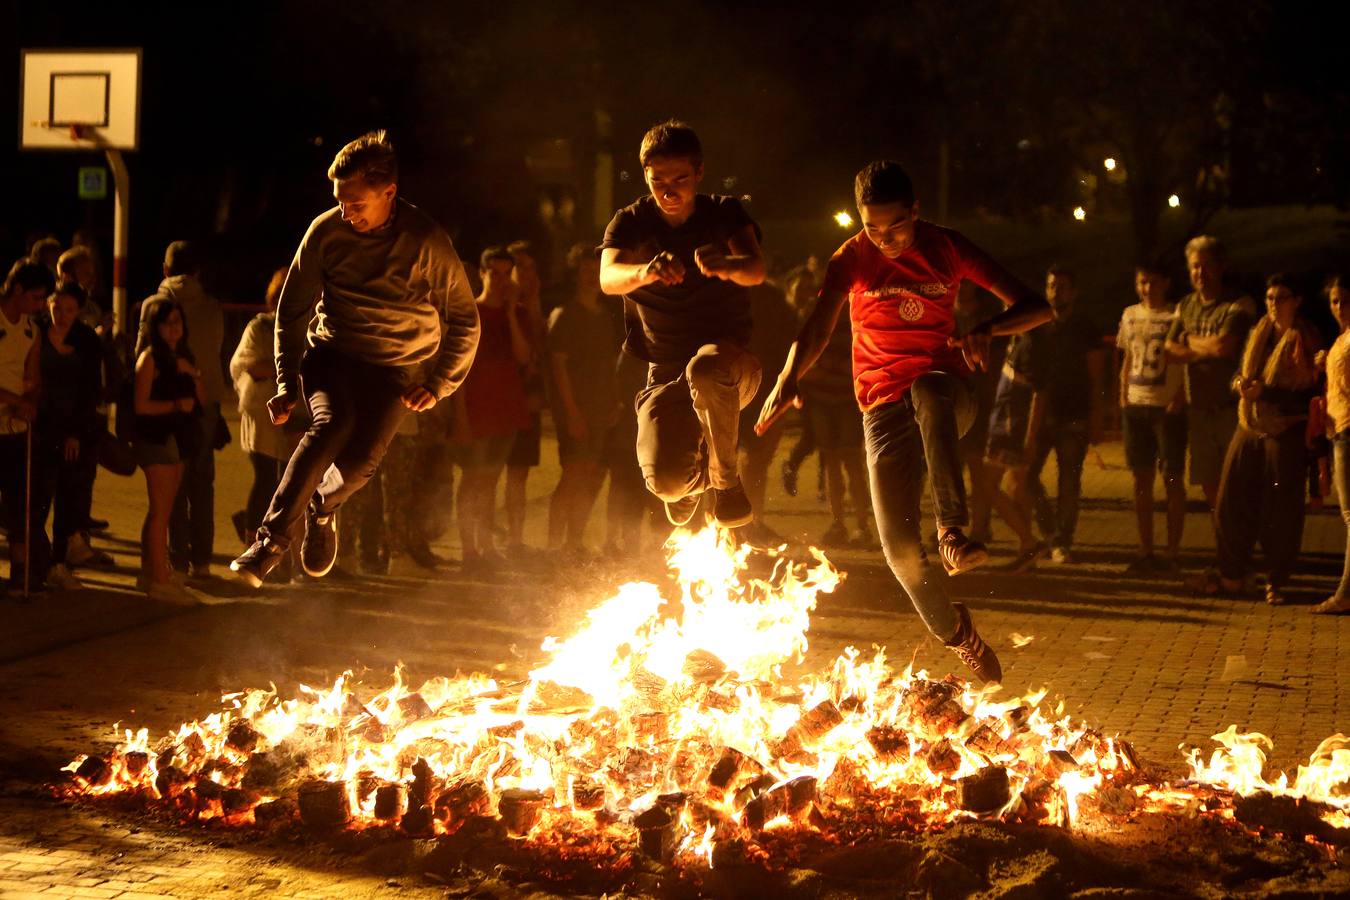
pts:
[375, 318]
[682, 262]
[899, 277]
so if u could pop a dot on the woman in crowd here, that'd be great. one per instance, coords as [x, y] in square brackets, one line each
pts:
[254, 372]
[168, 398]
[1338, 426]
[1263, 483]
[68, 427]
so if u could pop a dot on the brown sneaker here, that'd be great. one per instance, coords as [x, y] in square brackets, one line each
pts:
[973, 651]
[959, 553]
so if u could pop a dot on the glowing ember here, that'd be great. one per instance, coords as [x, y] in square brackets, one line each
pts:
[668, 717]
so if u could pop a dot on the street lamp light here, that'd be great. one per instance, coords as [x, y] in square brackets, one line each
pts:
[1079, 213]
[1109, 163]
[844, 219]
[1174, 201]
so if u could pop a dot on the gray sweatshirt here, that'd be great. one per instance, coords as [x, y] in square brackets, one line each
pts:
[394, 297]
[205, 328]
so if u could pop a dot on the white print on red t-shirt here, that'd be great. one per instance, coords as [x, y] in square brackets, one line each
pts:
[924, 289]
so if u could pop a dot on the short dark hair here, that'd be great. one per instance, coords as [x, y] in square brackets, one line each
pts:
[521, 247]
[492, 254]
[671, 138]
[883, 181]
[25, 275]
[65, 265]
[1060, 270]
[1282, 280]
[181, 258]
[1153, 265]
[371, 156]
[44, 246]
[1335, 280]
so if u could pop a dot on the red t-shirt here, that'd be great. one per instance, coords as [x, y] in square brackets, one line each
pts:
[494, 392]
[903, 309]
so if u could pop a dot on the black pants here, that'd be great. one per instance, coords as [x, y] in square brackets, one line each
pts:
[355, 410]
[70, 485]
[192, 524]
[1261, 495]
[1059, 520]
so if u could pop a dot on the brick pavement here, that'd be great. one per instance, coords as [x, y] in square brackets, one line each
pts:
[1135, 656]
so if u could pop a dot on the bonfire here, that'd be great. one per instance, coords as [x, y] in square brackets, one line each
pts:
[665, 727]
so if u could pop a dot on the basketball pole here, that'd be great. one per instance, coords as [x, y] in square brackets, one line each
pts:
[121, 221]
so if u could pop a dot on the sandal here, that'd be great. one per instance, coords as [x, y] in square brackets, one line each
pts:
[1274, 596]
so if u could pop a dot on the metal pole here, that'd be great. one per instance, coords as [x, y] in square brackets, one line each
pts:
[28, 514]
[121, 222]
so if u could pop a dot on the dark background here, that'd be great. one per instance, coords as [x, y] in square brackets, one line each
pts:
[504, 112]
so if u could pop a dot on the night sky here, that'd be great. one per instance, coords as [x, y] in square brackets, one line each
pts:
[493, 106]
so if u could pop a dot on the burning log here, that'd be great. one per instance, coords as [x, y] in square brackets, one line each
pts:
[1060, 761]
[987, 791]
[391, 802]
[810, 728]
[791, 799]
[234, 801]
[703, 667]
[135, 762]
[659, 833]
[1127, 755]
[95, 771]
[985, 740]
[324, 805]
[942, 758]
[242, 738]
[752, 790]
[462, 800]
[730, 767]
[651, 726]
[419, 821]
[519, 810]
[274, 812]
[508, 730]
[269, 770]
[171, 781]
[424, 785]
[1292, 816]
[587, 796]
[890, 744]
[414, 707]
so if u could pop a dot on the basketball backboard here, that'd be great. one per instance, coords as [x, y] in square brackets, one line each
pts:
[74, 99]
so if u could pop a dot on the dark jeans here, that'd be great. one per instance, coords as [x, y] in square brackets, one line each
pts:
[71, 489]
[1340, 449]
[1069, 440]
[355, 410]
[1261, 496]
[266, 476]
[192, 524]
[926, 424]
[689, 417]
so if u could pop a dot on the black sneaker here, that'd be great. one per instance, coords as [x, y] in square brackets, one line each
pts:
[731, 508]
[255, 563]
[679, 512]
[972, 650]
[959, 553]
[319, 549]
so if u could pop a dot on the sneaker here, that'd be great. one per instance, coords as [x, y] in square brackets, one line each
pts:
[63, 579]
[731, 508]
[1332, 606]
[172, 593]
[836, 536]
[1061, 556]
[200, 572]
[1144, 565]
[1026, 561]
[679, 512]
[972, 650]
[789, 479]
[255, 563]
[420, 552]
[959, 553]
[318, 550]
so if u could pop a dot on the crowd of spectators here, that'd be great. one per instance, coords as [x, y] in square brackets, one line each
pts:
[1251, 406]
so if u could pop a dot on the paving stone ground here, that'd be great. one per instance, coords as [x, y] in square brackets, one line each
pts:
[1138, 657]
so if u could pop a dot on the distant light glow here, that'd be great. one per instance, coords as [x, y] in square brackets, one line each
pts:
[1109, 163]
[1174, 201]
[844, 219]
[1079, 213]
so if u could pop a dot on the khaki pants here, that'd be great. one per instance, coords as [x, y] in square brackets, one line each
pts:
[688, 416]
